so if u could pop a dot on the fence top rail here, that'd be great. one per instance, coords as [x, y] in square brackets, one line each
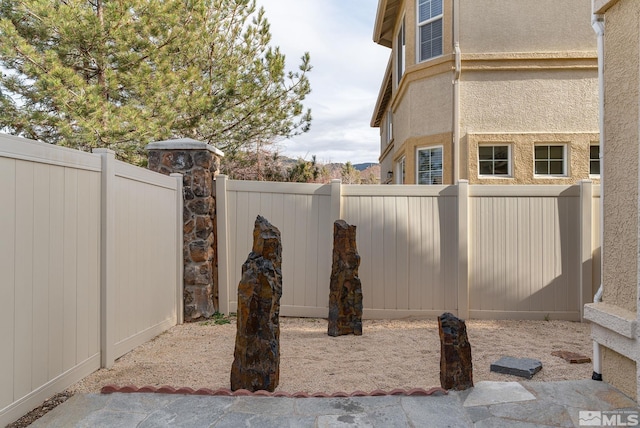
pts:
[35, 151]
[131, 172]
[398, 190]
[524, 190]
[278, 187]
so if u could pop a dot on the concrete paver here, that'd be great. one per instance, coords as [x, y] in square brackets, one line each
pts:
[485, 393]
[490, 404]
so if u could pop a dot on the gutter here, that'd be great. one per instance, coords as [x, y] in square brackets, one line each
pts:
[597, 22]
[456, 91]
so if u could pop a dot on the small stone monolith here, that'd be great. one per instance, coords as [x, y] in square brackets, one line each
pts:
[345, 295]
[256, 364]
[456, 370]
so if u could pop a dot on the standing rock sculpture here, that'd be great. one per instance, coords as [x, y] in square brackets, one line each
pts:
[456, 370]
[345, 296]
[256, 364]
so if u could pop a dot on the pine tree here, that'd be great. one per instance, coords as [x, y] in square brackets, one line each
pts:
[349, 173]
[120, 74]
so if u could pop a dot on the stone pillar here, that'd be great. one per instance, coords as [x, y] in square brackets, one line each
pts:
[199, 163]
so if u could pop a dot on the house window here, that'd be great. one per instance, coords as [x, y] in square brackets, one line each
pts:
[389, 126]
[429, 29]
[550, 160]
[429, 169]
[494, 160]
[400, 171]
[594, 159]
[400, 46]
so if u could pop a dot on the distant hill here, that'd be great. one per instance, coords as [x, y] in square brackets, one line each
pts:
[363, 166]
[369, 172]
[334, 166]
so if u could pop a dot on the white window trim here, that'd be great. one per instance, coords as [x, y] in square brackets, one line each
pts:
[400, 170]
[509, 162]
[565, 163]
[599, 160]
[418, 149]
[389, 126]
[419, 24]
[401, 67]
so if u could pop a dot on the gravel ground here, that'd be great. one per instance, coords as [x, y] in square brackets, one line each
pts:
[390, 354]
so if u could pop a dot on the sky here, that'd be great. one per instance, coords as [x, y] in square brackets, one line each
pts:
[348, 68]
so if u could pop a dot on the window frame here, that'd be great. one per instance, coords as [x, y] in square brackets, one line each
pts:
[420, 24]
[509, 173]
[596, 159]
[401, 51]
[565, 160]
[430, 148]
[400, 170]
[388, 123]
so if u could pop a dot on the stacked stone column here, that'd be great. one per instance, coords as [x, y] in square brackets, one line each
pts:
[199, 163]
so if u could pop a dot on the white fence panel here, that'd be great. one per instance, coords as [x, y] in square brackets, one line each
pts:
[146, 247]
[53, 305]
[49, 271]
[406, 238]
[302, 214]
[524, 252]
[476, 251]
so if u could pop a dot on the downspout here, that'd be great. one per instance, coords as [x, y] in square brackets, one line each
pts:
[597, 22]
[456, 91]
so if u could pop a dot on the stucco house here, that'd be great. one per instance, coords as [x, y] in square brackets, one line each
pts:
[492, 91]
[614, 314]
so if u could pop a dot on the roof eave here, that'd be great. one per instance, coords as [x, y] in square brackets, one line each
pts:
[384, 96]
[385, 13]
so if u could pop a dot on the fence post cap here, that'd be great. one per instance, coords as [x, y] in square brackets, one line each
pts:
[100, 150]
[183, 144]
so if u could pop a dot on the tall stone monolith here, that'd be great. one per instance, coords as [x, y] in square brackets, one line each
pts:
[456, 370]
[345, 295]
[256, 364]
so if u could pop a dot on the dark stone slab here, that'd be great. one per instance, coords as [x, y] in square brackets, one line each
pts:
[456, 368]
[522, 367]
[345, 289]
[256, 364]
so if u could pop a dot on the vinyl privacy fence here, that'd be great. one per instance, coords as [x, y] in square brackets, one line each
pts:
[527, 252]
[90, 265]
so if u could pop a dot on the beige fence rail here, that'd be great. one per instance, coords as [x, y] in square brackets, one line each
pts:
[90, 265]
[527, 252]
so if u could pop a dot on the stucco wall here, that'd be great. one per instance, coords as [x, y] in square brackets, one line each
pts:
[529, 101]
[525, 26]
[424, 110]
[620, 246]
[386, 165]
[430, 105]
[619, 371]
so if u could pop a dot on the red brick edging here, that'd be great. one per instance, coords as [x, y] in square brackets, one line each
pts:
[225, 392]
